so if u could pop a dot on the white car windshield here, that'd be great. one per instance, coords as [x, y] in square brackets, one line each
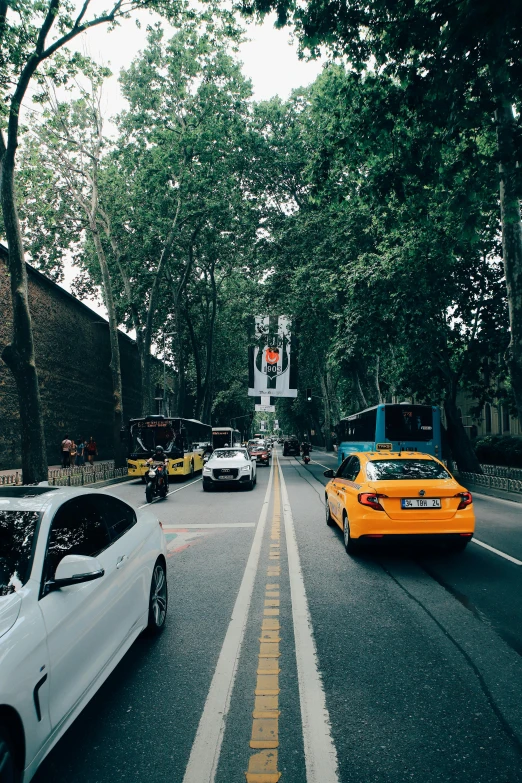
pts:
[229, 453]
[17, 529]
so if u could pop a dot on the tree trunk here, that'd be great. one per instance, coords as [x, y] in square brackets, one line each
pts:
[327, 412]
[511, 238]
[117, 392]
[378, 394]
[197, 364]
[460, 444]
[207, 405]
[358, 389]
[19, 355]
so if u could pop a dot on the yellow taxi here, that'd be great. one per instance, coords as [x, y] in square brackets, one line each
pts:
[398, 495]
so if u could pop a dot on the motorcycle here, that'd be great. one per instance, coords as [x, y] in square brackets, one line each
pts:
[157, 481]
[306, 459]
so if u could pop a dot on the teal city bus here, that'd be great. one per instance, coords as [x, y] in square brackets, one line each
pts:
[392, 427]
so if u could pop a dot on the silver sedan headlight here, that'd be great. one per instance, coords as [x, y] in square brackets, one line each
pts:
[206, 471]
[245, 469]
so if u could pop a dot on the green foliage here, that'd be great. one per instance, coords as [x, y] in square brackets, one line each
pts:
[499, 450]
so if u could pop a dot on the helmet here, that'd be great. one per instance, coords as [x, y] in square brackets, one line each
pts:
[159, 449]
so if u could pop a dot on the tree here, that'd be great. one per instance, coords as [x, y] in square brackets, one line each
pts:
[71, 145]
[460, 60]
[26, 36]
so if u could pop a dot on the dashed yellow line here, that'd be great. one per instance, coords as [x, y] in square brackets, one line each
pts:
[262, 767]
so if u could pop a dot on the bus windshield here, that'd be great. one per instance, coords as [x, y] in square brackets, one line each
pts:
[408, 423]
[146, 435]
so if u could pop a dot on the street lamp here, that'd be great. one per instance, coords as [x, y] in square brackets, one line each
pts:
[165, 334]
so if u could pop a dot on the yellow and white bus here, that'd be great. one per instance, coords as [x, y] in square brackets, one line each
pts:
[184, 442]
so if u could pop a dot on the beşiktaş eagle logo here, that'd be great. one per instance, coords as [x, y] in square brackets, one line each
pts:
[275, 362]
[270, 357]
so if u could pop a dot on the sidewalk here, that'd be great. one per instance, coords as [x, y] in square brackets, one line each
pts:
[99, 474]
[104, 463]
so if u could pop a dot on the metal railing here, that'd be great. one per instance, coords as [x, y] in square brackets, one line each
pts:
[87, 475]
[492, 482]
[504, 472]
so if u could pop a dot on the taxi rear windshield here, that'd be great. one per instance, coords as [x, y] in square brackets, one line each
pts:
[405, 469]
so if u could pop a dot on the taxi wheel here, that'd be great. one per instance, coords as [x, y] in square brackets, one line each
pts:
[352, 545]
[329, 518]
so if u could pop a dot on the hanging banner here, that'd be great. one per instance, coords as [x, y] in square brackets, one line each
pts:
[272, 370]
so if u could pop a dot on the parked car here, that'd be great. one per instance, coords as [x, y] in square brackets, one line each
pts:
[398, 496]
[230, 467]
[82, 574]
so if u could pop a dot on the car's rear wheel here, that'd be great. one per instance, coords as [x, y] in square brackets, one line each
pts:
[158, 600]
[9, 772]
[352, 545]
[329, 518]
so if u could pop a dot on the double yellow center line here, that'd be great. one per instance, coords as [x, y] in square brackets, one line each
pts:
[262, 767]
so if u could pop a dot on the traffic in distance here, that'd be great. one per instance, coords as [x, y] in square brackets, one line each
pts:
[391, 664]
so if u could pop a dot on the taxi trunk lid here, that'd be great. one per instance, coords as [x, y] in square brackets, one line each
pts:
[445, 489]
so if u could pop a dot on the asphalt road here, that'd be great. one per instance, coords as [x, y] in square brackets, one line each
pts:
[400, 665]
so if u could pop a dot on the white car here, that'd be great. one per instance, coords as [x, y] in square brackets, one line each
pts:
[82, 574]
[232, 466]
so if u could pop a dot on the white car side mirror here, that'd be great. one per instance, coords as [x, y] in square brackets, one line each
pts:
[75, 569]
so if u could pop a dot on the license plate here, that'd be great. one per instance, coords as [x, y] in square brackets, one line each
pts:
[224, 478]
[420, 503]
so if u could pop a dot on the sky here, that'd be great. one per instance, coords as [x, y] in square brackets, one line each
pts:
[269, 60]
[269, 57]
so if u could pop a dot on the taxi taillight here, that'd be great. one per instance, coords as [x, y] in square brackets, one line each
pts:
[465, 499]
[371, 499]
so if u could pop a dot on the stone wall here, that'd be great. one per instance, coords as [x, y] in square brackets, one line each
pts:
[72, 355]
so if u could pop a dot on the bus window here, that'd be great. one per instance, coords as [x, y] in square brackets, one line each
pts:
[408, 423]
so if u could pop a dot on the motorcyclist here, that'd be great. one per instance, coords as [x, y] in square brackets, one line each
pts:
[159, 457]
[305, 449]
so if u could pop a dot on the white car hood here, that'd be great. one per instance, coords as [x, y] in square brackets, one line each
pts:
[9, 611]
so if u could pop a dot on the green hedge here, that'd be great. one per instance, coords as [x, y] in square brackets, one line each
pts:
[499, 450]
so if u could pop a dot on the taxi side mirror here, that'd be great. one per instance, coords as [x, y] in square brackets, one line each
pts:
[328, 474]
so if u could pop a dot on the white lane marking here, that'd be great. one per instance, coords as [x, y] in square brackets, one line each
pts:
[321, 464]
[204, 756]
[320, 753]
[497, 552]
[200, 527]
[172, 492]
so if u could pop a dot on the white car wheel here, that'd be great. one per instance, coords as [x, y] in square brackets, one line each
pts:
[158, 600]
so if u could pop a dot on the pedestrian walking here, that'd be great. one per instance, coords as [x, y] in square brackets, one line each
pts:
[80, 453]
[66, 452]
[72, 454]
[92, 450]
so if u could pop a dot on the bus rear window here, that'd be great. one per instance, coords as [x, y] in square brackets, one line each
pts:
[406, 423]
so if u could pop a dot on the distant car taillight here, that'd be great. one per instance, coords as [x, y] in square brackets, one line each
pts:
[466, 499]
[371, 499]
